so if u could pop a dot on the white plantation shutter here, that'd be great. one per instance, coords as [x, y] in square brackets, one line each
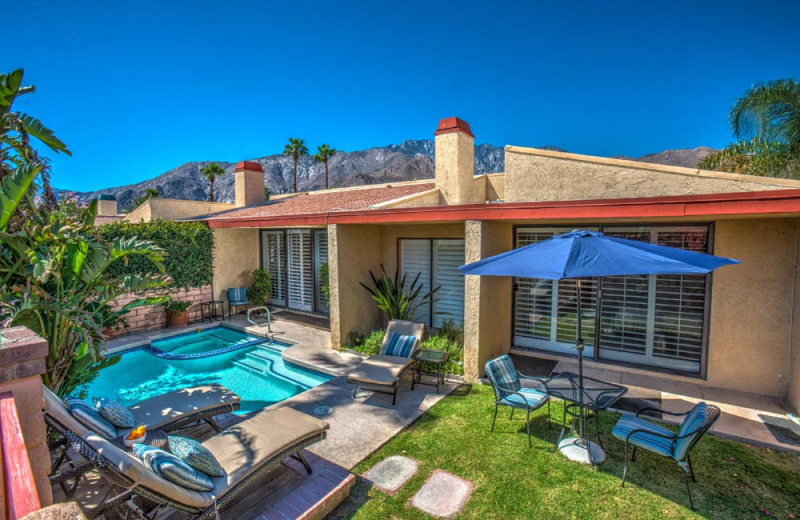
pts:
[415, 258]
[300, 275]
[448, 255]
[545, 311]
[273, 258]
[320, 257]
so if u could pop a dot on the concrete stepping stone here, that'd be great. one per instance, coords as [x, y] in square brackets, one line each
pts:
[390, 474]
[442, 495]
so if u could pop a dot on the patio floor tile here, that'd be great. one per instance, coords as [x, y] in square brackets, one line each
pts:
[442, 495]
[390, 474]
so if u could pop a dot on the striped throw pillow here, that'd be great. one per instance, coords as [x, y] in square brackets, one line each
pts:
[115, 413]
[90, 418]
[196, 455]
[171, 468]
[400, 345]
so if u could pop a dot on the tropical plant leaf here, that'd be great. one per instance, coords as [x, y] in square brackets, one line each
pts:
[13, 189]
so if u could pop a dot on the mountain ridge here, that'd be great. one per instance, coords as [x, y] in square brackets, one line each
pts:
[409, 160]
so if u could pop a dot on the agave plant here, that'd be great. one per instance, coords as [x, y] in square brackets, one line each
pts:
[55, 280]
[392, 296]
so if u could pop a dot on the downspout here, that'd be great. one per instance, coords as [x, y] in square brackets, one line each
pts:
[792, 353]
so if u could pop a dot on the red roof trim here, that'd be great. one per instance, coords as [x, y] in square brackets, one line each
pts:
[453, 124]
[698, 206]
[250, 166]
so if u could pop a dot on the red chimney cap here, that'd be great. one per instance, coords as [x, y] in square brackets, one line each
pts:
[251, 166]
[453, 124]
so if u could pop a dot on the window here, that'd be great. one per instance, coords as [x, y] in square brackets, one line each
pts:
[649, 320]
[437, 262]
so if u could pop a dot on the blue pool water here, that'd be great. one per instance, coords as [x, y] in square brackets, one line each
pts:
[248, 365]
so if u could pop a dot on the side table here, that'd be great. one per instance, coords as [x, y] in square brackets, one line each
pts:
[208, 310]
[434, 357]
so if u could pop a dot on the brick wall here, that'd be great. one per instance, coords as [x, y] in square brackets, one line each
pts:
[152, 317]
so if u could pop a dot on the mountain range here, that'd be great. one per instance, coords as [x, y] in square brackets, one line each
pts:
[409, 160]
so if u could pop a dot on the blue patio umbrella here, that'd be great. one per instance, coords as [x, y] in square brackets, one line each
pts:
[581, 253]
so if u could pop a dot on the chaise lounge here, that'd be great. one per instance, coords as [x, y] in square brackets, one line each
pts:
[382, 372]
[247, 452]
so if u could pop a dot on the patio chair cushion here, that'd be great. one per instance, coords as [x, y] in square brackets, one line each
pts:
[654, 443]
[166, 408]
[140, 474]
[530, 399]
[196, 455]
[400, 345]
[172, 468]
[692, 423]
[405, 328]
[114, 412]
[247, 446]
[56, 408]
[380, 369]
[237, 296]
[90, 417]
[502, 372]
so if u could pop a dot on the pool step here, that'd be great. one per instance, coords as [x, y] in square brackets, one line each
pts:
[251, 365]
[269, 348]
[260, 355]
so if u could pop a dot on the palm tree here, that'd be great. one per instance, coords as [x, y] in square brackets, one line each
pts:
[211, 171]
[149, 193]
[766, 122]
[324, 151]
[296, 148]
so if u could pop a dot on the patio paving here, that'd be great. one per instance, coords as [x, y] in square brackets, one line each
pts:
[442, 495]
[739, 421]
[390, 474]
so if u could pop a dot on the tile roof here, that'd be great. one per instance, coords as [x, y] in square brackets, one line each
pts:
[323, 202]
[99, 220]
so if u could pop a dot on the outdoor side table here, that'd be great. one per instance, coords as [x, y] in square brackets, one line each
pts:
[596, 396]
[155, 438]
[434, 357]
[209, 310]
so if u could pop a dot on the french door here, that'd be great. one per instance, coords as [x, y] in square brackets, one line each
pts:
[294, 259]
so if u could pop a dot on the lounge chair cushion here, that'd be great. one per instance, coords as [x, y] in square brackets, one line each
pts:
[166, 408]
[172, 468]
[245, 447]
[405, 328]
[400, 345]
[115, 413]
[196, 455]
[380, 369]
[90, 417]
[654, 443]
[135, 470]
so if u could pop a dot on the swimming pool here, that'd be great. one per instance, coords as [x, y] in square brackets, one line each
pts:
[249, 365]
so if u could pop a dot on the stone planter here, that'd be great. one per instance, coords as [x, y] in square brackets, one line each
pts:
[177, 319]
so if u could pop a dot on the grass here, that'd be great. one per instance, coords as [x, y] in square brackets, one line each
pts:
[514, 482]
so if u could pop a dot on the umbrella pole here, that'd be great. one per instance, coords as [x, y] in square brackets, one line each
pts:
[579, 346]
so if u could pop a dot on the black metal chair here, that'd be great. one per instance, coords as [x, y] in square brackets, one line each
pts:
[634, 430]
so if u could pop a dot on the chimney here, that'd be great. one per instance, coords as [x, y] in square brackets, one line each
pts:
[249, 182]
[455, 164]
[107, 205]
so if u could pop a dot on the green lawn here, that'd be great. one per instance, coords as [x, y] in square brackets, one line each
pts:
[512, 481]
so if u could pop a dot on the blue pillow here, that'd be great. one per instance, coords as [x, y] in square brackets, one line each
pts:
[89, 417]
[400, 345]
[115, 413]
[196, 455]
[171, 468]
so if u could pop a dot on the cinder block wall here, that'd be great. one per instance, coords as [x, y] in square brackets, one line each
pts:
[151, 317]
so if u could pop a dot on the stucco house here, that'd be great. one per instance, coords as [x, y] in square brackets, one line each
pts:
[738, 329]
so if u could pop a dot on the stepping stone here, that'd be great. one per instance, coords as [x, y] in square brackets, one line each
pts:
[390, 474]
[442, 495]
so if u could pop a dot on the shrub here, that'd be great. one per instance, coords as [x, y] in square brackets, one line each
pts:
[325, 279]
[177, 306]
[189, 248]
[369, 345]
[261, 287]
[393, 298]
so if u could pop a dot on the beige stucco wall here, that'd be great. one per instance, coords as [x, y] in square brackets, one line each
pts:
[487, 299]
[751, 306]
[236, 254]
[174, 209]
[455, 169]
[793, 397]
[426, 198]
[353, 250]
[495, 186]
[542, 175]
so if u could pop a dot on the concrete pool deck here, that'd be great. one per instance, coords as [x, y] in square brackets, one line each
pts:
[358, 426]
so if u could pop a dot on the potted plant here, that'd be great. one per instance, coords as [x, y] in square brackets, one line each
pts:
[176, 313]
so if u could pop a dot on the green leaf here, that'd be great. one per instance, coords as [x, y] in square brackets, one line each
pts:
[13, 189]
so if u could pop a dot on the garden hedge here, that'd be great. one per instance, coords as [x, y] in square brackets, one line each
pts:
[189, 249]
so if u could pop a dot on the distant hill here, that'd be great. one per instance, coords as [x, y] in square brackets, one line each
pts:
[409, 160]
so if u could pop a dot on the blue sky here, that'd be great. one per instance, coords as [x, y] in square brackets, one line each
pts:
[137, 88]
